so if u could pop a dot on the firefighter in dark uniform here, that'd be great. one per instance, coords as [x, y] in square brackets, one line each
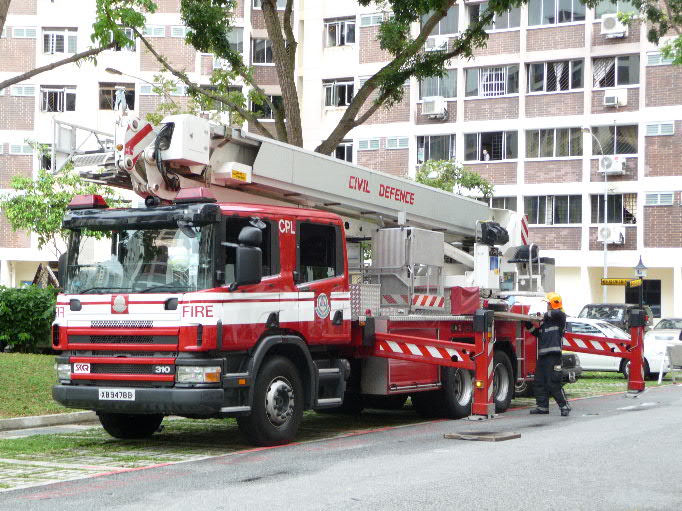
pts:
[548, 373]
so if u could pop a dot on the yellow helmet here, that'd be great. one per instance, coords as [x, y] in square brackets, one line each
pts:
[554, 300]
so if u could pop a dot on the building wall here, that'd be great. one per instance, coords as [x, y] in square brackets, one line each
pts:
[663, 225]
[553, 171]
[17, 55]
[16, 113]
[662, 154]
[556, 238]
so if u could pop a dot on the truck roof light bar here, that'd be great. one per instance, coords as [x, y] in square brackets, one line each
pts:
[87, 202]
[194, 195]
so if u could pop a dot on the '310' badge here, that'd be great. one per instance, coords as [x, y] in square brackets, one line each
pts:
[322, 306]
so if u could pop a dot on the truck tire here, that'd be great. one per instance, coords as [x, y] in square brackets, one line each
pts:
[503, 381]
[277, 408]
[126, 426]
[457, 393]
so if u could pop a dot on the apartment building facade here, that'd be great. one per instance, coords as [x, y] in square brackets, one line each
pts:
[555, 89]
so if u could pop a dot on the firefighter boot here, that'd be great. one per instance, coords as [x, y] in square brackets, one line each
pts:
[565, 411]
[538, 411]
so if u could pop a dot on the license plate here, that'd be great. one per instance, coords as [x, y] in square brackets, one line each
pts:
[117, 394]
[80, 368]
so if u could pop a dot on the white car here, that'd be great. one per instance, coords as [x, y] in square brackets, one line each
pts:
[656, 342]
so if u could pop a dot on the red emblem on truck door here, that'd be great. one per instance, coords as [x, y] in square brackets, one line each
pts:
[119, 304]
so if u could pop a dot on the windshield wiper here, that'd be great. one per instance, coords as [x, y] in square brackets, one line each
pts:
[163, 286]
[83, 291]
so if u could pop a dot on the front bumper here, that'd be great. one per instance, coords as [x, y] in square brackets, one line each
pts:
[166, 401]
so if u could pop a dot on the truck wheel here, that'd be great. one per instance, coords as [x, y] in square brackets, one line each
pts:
[457, 393]
[277, 408]
[125, 426]
[503, 381]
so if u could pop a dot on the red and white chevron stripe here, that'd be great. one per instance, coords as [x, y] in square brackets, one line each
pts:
[395, 299]
[491, 371]
[524, 230]
[599, 346]
[433, 353]
[430, 301]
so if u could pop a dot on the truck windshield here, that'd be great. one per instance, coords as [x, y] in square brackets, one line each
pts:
[140, 261]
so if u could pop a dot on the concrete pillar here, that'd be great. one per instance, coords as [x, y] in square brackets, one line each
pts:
[677, 291]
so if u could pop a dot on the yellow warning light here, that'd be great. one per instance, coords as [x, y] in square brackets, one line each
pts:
[241, 381]
[479, 384]
[119, 147]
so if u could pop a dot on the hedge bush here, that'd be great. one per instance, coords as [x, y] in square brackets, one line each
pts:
[26, 316]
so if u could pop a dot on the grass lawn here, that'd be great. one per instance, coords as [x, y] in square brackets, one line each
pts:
[26, 385]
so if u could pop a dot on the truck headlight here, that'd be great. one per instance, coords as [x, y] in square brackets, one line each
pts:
[197, 374]
[63, 371]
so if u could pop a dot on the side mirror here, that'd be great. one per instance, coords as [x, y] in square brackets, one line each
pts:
[249, 265]
[61, 269]
[250, 236]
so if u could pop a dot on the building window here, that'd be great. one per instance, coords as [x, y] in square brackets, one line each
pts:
[616, 71]
[58, 99]
[154, 31]
[447, 25]
[371, 20]
[369, 144]
[503, 203]
[262, 51]
[555, 76]
[656, 58]
[281, 4]
[615, 140]
[264, 111]
[509, 19]
[660, 128]
[613, 7]
[553, 210]
[24, 32]
[339, 32]
[128, 32]
[108, 95]
[651, 291]
[344, 151]
[493, 145]
[338, 92]
[435, 147]
[554, 143]
[620, 208]
[59, 40]
[492, 81]
[659, 199]
[23, 91]
[445, 86]
[397, 142]
[20, 149]
[179, 31]
[551, 12]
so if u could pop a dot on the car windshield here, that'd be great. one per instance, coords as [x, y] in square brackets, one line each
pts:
[606, 312]
[675, 324]
[140, 260]
[613, 331]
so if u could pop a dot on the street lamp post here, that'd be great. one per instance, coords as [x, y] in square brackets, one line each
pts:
[640, 273]
[587, 129]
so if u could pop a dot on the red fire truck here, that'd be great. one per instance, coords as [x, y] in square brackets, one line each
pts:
[262, 280]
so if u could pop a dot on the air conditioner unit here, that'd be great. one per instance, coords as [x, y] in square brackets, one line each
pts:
[436, 43]
[611, 234]
[611, 27]
[612, 165]
[434, 107]
[616, 97]
[611, 100]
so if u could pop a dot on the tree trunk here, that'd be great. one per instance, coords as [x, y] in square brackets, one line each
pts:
[284, 53]
[4, 7]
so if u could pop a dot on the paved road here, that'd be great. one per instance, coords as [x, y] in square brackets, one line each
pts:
[612, 453]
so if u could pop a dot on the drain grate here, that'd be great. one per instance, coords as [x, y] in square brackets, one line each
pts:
[484, 436]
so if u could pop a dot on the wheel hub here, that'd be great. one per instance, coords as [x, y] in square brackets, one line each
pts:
[462, 387]
[500, 382]
[279, 401]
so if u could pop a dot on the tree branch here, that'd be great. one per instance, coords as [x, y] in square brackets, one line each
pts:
[246, 114]
[69, 60]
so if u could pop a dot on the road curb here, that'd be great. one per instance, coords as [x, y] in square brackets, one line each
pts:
[39, 421]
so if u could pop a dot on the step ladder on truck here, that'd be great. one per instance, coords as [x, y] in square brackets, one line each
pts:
[262, 280]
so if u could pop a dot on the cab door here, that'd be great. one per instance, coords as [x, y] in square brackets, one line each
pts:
[320, 276]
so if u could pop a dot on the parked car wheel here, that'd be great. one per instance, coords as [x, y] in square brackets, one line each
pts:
[625, 369]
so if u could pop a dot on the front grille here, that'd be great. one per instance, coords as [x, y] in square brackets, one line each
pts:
[127, 368]
[121, 324]
[125, 354]
[124, 339]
